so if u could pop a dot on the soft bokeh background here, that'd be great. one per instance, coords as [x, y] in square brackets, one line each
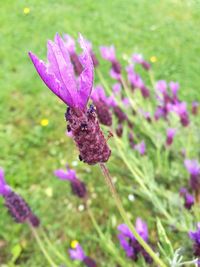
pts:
[31, 152]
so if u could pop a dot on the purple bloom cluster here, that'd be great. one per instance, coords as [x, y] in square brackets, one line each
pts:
[136, 81]
[170, 136]
[78, 187]
[79, 254]
[129, 243]
[108, 53]
[169, 102]
[16, 205]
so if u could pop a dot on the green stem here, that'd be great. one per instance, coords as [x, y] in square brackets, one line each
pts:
[106, 242]
[40, 244]
[57, 253]
[118, 203]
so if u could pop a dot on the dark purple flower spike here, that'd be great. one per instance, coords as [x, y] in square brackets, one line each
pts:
[16, 205]
[78, 187]
[170, 136]
[101, 103]
[58, 75]
[78, 254]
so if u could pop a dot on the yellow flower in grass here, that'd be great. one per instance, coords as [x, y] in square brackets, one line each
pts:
[153, 59]
[44, 122]
[26, 10]
[74, 243]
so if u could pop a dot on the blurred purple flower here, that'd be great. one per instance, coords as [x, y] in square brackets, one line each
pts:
[78, 187]
[174, 86]
[188, 198]
[193, 169]
[116, 88]
[180, 108]
[129, 243]
[138, 58]
[17, 207]
[141, 148]
[195, 107]
[161, 86]
[102, 104]
[170, 136]
[126, 101]
[195, 237]
[92, 54]
[108, 53]
[79, 254]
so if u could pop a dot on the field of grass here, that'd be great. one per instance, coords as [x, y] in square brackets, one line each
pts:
[31, 152]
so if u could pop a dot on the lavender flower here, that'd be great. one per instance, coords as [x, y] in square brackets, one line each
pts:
[136, 81]
[193, 168]
[59, 76]
[79, 254]
[16, 205]
[170, 136]
[129, 243]
[78, 187]
[116, 88]
[92, 54]
[174, 86]
[188, 198]
[108, 53]
[101, 103]
[195, 107]
[181, 109]
[195, 237]
[141, 148]
[138, 58]
[161, 86]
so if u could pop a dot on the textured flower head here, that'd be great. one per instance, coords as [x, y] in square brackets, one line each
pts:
[108, 53]
[58, 73]
[4, 188]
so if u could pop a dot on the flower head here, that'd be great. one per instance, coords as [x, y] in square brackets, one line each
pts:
[195, 107]
[188, 198]
[58, 73]
[193, 168]
[138, 58]
[161, 86]
[174, 86]
[78, 253]
[195, 237]
[78, 187]
[180, 108]
[170, 136]
[108, 53]
[17, 207]
[129, 243]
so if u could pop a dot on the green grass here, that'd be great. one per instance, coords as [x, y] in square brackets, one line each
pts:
[30, 153]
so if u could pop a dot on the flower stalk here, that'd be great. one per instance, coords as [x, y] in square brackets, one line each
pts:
[122, 212]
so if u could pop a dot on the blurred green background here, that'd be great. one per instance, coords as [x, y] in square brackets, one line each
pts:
[30, 152]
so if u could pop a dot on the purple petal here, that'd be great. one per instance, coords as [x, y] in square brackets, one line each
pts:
[192, 166]
[138, 58]
[141, 228]
[4, 188]
[49, 78]
[174, 86]
[116, 88]
[65, 175]
[87, 76]
[108, 53]
[123, 228]
[77, 253]
[125, 245]
[98, 94]
[63, 70]
[161, 86]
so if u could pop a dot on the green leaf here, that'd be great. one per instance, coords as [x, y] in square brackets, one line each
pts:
[16, 251]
